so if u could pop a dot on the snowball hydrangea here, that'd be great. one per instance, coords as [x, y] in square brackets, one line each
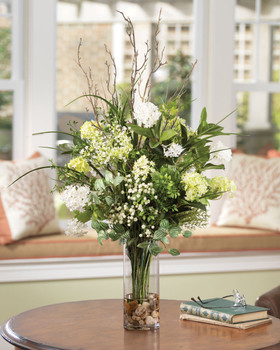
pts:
[76, 228]
[75, 197]
[146, 113]
[220, 153]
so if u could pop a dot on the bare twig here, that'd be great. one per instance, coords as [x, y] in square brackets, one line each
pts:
[91, 89]
[157, 62]
[112, 89]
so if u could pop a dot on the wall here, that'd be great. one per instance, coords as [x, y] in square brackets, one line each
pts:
[18, 297]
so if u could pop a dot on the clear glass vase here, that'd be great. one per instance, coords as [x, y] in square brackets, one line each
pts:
[141, 289]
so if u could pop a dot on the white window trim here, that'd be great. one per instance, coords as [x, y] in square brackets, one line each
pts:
[23, 270]
[40, 75]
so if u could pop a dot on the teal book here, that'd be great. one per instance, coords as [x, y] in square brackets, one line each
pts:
[222, 310]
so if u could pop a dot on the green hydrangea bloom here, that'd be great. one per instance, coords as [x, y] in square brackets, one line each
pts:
[195, 185]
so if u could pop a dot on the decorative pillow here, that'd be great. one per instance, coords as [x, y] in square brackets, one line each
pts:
[273, 153]
[27, 207]
[256, 203]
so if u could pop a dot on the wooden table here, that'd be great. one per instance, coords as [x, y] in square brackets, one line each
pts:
[97, 324]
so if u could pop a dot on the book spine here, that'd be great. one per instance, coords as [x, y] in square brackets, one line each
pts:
[205, 313]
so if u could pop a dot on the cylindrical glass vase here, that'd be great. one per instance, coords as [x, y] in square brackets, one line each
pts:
[141, 289]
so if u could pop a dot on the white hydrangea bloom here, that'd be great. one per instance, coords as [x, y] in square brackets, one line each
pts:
[76, 228]
[223, 156]
[75, 197]
[173, 150]
[146, 113]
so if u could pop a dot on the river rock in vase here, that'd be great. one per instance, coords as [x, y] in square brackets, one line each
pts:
[141, 289]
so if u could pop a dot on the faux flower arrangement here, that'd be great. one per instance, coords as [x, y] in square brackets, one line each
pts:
[138, 172]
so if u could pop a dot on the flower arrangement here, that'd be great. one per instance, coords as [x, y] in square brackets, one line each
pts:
[138, 172]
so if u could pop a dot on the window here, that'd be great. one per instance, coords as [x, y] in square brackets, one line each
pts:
[256, 73]
[11, 79]
[98, 23]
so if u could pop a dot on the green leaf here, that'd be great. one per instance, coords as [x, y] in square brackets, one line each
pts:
[174, 252]
[102, 235]
[155, 249]
[174, 231]
[141, 131]
[168, 134]
[203, 121]
[108, 176]
[84, 216]
[109, 200]
[95, 198]
[184, 134]
[187, 234]
[119, 228]
[153, 143]
[99, 185]
[159, 234]
[99, 225]
[143, 244]
[117, 180]
[114, 236]
[213, 166]
[159, 126]
[164, 223]
[65, 148]
[165, 240]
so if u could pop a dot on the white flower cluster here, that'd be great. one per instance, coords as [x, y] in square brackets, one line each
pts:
[146, 113]
[173, 150]
[138, 196]
[75, 197]
[221, 154]
[75, 228]
[142, 168]
[103, 148]
[146, 231]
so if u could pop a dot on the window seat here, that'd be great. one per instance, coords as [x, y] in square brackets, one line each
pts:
[211, 250]
[211, 239]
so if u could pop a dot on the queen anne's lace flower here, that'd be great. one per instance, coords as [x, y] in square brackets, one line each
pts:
[75, 197]
[195, 185]
[76, 228]
[146, 113]
[221, 154]
[173, 150]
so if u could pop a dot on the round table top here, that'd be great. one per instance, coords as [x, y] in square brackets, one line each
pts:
[98, 324]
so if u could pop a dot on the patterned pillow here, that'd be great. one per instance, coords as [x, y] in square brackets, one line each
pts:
[27, 207]
[256, 203]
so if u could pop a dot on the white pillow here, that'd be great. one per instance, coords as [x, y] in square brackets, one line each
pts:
[27, 207]
[256, 203]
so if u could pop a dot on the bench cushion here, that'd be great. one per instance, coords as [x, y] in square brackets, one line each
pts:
[212, 239]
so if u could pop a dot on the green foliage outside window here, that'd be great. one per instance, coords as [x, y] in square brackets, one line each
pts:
[178, 67]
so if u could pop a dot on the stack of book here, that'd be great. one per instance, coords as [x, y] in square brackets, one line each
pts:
[221, 312]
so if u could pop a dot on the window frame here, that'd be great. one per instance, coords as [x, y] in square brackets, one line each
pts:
[15, 83]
